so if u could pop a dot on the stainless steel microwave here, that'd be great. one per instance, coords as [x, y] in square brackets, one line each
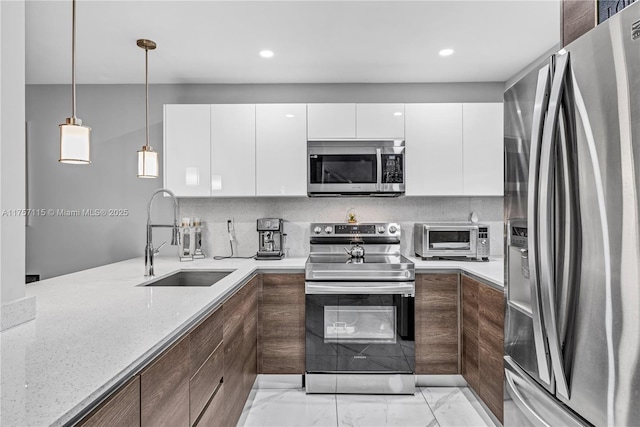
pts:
[451, 240]
[355, 167]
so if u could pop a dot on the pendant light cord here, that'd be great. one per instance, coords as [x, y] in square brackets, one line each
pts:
[146, 85]
[73, 60]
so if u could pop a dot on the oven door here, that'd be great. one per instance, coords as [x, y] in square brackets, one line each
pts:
[360, 333]
[450, 241]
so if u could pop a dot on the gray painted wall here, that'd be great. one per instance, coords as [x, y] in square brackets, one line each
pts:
[58, 244]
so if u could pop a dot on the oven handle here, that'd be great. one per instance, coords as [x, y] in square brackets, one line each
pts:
[348, 288]
[337, 275]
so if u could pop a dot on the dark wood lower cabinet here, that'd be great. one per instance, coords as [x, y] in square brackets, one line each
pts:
[239, 340]
[281, 327]
[121, 409]
[491, 333]
[470, 293]
[437, 319]
[483, 342]
[164, 389]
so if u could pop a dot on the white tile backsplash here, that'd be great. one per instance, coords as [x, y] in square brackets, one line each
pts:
[299, 212]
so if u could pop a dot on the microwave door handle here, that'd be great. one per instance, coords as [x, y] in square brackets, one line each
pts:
[540, 107]
[379, 169]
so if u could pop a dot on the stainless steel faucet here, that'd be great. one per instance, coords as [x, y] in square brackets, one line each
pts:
[149, 250]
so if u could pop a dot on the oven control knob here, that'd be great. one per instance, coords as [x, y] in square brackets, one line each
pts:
[393, 229]
[380, 229]
[483, 242]
[328, 229]
[317, 230]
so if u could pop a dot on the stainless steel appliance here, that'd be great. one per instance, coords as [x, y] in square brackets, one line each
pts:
[270, 238]
[359, 311]
[451, 241]
[572, 144]
[355, 167]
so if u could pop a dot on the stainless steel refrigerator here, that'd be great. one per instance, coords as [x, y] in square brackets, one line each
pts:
[572, 223]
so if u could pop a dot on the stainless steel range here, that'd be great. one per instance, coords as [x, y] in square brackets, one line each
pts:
[359, 310]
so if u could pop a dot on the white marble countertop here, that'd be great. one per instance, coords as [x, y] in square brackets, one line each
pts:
[95, 328]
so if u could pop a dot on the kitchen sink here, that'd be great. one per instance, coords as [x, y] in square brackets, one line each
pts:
[191, 278]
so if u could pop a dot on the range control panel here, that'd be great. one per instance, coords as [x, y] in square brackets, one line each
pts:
[358, 229]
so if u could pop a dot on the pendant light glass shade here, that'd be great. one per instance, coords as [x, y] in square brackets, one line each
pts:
[147, 163]
[147, 158]
[75, 139]
[75, 143]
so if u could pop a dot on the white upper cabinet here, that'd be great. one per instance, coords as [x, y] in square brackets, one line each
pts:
[331, 121]
[281, 149]
[483, 159]
[433, 139]
[187, 148]
[378, 121]
[233, 150]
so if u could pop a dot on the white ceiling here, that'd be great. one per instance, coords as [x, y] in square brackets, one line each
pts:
[313, 41]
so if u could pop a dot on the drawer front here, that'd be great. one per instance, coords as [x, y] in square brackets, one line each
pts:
[204, 383]
[204, 339]
[212, 415]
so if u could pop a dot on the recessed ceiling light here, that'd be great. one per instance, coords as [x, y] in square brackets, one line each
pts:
[397, 113]
[289, 116]
[446, 52]
[266, 53]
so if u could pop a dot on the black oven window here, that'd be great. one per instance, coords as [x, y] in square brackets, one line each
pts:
[343, 169]
[449, 239]
[360, 324]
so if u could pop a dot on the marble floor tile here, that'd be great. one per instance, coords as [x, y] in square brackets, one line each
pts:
[379, 410]
[291, 407]
[456, 407]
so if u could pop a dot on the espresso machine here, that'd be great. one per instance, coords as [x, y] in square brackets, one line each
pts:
[270, 238]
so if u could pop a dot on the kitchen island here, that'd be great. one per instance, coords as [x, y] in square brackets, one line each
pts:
[96, 328]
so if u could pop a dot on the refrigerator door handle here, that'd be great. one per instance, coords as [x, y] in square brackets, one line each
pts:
[569, 244]
[521, 402]
[545, 232]
[540, 107]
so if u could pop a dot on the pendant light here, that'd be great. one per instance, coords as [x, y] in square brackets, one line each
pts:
[75, 139]
[147, 158]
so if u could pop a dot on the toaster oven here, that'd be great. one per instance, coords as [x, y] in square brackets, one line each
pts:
[451, 241]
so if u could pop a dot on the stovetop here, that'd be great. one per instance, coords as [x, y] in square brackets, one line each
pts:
[372, 267]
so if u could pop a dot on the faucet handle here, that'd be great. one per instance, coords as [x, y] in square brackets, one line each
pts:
[156, 251]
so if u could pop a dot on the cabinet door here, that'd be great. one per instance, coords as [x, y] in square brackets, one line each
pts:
[121, 409]
[433, 139]
[470, 291]
[491, 333]
[233, 150]
[281, 327]
[187, 150]
[378, 121]
[331, 121]
[164, 385]
[206, 355]
[483, 149]
[437, 314]
[239, 341]
[281, 149]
